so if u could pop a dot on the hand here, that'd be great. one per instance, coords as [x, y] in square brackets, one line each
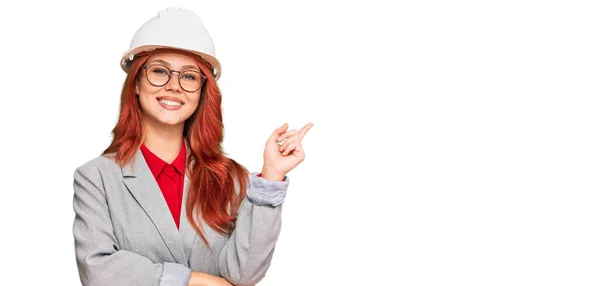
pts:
[220, 281]
[203, 279]
[280, 159]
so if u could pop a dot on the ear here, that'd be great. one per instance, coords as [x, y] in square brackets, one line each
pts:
[137, 87]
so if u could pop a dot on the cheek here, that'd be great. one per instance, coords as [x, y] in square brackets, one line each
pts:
[144, 88]
[145, 103]
[146, 97]
[194, 101]
[147, 93]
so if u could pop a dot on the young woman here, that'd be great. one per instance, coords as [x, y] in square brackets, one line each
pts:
[163, 205]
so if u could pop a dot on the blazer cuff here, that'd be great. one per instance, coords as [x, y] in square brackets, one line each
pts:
[175, 275]
[263, 192]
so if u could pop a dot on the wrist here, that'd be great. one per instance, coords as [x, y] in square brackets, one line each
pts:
[271, 175]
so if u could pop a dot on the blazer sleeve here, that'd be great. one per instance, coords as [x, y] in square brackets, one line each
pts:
[247, 254]
[99, 259]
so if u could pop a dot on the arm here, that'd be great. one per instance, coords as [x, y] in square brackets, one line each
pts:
[99, 258]
[246, 256]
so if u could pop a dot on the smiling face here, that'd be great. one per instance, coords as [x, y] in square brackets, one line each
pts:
[170, 104]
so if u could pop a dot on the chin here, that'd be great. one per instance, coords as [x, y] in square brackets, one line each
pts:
[165, 119]
[172, 122]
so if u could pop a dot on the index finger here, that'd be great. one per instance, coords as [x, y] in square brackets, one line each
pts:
[304, 129]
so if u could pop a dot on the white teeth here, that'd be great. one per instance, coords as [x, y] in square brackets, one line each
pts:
[170, 102]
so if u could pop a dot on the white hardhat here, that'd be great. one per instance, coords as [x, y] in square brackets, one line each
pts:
[173, 28]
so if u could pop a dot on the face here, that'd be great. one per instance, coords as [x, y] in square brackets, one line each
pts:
[170, 104]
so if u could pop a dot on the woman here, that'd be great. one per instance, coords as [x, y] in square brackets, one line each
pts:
[163, 205]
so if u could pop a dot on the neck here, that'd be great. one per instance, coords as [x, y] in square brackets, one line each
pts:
[164, 141]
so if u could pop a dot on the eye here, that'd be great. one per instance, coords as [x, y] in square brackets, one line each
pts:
[190, 75]
[158, 70]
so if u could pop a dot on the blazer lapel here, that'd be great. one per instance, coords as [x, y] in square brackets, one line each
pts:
[141, 183]
[186, 231]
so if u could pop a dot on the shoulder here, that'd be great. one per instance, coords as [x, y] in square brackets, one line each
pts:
[99, 164]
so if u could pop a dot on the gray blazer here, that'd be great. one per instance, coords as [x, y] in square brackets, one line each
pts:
[125, 235]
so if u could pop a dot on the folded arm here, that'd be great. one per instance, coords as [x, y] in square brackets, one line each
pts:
[248, 252]
[99, 258]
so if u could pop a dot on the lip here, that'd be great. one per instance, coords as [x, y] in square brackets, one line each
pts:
[170, 98]
[169, 107]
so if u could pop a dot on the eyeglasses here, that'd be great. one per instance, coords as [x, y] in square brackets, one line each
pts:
[159, 75]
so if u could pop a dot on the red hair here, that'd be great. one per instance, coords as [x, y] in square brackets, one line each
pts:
[211, 196]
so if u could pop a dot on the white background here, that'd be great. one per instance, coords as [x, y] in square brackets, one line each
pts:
[454, 142]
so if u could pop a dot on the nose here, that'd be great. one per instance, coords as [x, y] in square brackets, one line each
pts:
[173, 83]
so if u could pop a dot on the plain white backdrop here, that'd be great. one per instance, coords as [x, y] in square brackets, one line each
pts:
[454, 142]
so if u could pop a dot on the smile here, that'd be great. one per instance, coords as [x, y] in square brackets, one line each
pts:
[169, 103]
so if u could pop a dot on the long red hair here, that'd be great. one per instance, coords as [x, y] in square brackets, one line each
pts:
[211, 196]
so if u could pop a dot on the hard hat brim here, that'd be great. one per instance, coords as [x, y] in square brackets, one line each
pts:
[128, 57]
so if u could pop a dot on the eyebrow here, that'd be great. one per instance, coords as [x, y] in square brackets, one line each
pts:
[185, 67]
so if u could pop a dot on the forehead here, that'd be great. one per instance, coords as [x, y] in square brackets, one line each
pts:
[173, 59]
